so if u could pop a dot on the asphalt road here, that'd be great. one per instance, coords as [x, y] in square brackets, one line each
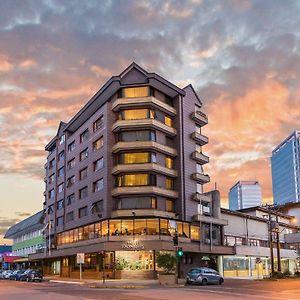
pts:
[234, 289]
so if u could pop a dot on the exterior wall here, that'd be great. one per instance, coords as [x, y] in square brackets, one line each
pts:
[28, 246]
[285, 170]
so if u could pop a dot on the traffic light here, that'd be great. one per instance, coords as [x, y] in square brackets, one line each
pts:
[175, 239]
[179, 252]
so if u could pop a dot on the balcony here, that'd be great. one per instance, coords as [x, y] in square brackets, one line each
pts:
[209, 219]
[122, 103]
[145, 167]
[200, 118]
[143, 145]
[200, 197]
[144, 123]
[200, 157]
[142, 190]
[142, 212]
[199, 138]
[201, 178]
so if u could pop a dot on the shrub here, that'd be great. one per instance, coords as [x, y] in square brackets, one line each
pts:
[167, 262]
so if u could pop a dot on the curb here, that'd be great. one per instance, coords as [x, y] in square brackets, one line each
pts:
[67, 282]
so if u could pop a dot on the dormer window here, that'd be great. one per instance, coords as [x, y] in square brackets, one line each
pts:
[136, 92]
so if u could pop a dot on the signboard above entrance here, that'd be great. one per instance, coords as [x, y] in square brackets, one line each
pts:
[133, 245]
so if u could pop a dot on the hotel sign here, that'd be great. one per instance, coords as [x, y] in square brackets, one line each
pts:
[133, 245]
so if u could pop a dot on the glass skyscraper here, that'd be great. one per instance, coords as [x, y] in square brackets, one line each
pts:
[285, 162]
[244, 194]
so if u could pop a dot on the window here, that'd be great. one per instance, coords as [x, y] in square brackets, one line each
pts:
[51, 193]
[84, 154]
[98, 185]
[71, 164]
[59, 221]
[70, 216]
[82, 174]
[84, 136]
[52, 163]
[82, 212]
[83, 192]
[141, 135]
[71, 147]
[168, 121]
[170, 205]
[135, 158]
[97, 207]
[199, 188]
[136, 180]
[136, 114]
[169, 183]
[62, 139]
[198, 148]
[60, 204]
[135, 92]
[137, 203]
[70, 199]
[98, 124]
[169, 162]
[51, 178]
[51, 209]
[70, 181]
[61, 155]
[61, 172]
[60, 188]
[98, 144]
[98, 164]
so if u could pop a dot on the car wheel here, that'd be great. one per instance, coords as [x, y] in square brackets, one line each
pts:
[221, 281]
[204, 281]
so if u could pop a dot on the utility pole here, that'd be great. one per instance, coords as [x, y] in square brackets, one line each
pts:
[271, 240]
[278, 246]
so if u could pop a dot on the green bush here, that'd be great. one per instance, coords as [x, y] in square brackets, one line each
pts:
[167, 262]
[121, 263]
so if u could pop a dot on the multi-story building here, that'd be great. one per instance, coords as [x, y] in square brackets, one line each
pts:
[248, 231]
[27, 237]
[285, 162]
[245, 194]
[5, 256]
[126, 173]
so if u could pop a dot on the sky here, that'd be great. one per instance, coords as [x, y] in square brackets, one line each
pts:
[242, 57]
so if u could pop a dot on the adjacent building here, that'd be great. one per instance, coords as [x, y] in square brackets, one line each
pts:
[5, 256]
[285, 163]
[248, 231]
[245, 194]
[27, 237]
[124, 175]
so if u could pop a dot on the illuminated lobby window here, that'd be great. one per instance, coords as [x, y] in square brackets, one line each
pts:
[137, 114]
[168, 121]
[195, 232]
[169, 162]
[140, 179]
[136, 92]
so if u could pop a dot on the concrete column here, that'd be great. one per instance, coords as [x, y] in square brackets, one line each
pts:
[220, 265]
[250, 267]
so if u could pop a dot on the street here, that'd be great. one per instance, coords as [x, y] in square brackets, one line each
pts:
[232, 289]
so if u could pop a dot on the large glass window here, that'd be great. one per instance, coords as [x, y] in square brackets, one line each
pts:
[139, 179]
[71, 147]
[84, 154]
[152, 226]
[98, 144]
[71, 164]
[82, 212]
[70, 199]
[97, 207]
[170, 205]
[83, 174]
[168, 121]
[98, 124]
[83, 192]
[127, 227]
[140, 226]
[169, 162]
[70, 181]
[98, 185]
[135, 158]
[98, 164]
[141, 135]
[135, 92]
[137, 203]
[115, 227]
[84, 136]
[169, 183]
[136, 114]
[195, 233]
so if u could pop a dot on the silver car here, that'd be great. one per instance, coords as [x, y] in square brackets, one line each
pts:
[203, 276]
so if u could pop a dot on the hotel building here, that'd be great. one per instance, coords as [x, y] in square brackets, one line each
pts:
[124, 175]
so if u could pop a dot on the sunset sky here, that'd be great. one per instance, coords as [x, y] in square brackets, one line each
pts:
[243, 58]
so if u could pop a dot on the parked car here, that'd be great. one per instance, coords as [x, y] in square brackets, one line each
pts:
[34, 275]
[23, 275]
[16, 274]
[203, 276]
[6, 274]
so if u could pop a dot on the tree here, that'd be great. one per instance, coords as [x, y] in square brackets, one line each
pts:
[167, 262]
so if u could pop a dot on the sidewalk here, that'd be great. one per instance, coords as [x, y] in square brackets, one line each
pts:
[112, 283]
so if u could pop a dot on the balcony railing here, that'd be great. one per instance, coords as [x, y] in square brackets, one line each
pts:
[200, 118]
[201, 197]
[201, 178]
[200, 157]
[199, 138]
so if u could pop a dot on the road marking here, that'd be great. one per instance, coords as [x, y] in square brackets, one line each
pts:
[243, 295]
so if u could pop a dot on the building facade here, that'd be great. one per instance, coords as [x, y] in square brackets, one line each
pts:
[248, 232]
[245, 194]
[125, 174]
[27, 237]
[285, 163]
[5, 256]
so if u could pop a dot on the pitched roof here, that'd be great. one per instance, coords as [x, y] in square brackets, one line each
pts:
[33, 222]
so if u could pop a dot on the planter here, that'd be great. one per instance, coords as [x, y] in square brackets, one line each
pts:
[167, 279]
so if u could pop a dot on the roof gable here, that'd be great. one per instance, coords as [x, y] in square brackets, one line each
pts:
[190, 89]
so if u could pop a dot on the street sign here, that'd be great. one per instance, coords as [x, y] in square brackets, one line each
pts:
[80, 258]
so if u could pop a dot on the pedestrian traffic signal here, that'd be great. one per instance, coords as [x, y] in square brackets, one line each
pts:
[179, 252]
[175, 239]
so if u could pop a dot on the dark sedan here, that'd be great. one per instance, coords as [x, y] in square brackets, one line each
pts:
[203, 276]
